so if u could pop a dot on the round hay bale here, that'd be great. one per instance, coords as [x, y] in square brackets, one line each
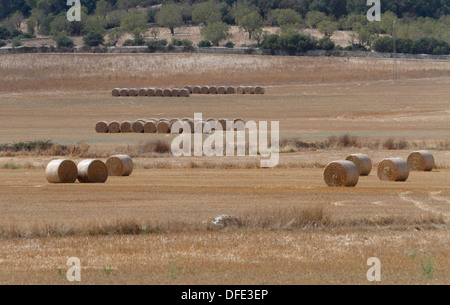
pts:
[138, 127]
[260, 90]
[222, 90]
[191, 125]
[114, 127]
[119, 165]
[167, 92]
[249, 90]
[184, 93]
[141, 120]
[190, 88]
[151, 92]
[197, 90]
[163, 126]
[362, 162]
[92, 171]
[101, 127]
[204, 90]
[123, 92]
[393, 169]
[159, 92]
[61, 171]
[421, 160]
[175, 92]
[133, 92]
[143, 92]
[174, 120]
[125, 127]
[213, 90]
[186, 119]
[150, 127]
[116, 92]
[231, 90]
[202, 127]
[341, 173]
[241, 90]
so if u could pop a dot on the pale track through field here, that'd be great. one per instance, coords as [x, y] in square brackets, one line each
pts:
[425, 207]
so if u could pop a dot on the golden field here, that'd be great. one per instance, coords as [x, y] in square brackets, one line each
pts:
[155, 227]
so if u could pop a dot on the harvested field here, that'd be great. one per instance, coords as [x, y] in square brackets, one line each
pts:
[285, 225]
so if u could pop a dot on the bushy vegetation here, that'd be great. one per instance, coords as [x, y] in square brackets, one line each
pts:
[421, 26]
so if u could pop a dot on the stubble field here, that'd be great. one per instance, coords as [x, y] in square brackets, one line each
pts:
[286, 226]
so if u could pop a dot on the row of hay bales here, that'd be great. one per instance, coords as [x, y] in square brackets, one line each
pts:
[226, 90]
[173, 92]
[88, 171]
[347, 172]
[168, 126]
[187, 91]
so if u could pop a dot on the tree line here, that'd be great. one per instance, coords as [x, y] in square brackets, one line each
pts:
[408, 20]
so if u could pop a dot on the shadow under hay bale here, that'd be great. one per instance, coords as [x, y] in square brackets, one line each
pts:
[341, 173]
[393, 169]
[61, 171]
[119, 165]
[92, 171]
[363, 162]
[421, 160]
[101, 127]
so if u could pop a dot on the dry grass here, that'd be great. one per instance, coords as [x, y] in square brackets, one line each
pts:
[102, 72]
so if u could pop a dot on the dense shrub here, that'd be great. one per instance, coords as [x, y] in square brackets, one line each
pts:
[229, 44]
[2, 43]
[290, 42]
[384, 44]
[63, 41]
[204, 44]
[156, 46]
[326, 44]
[93, 39]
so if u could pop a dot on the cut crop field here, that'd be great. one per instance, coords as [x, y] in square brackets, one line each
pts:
[283, 225]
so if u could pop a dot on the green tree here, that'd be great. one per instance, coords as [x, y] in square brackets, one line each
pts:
[93, 39]
[63, 41]
[103, 8]
[58, 25]
[170, 17]
[251, 23]
[288, 19]
[206, 13]
[114, 36]
[216, 32]
[31, 25]
[313, 18]
[93, 24]
[327, 27]
[135, 23]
